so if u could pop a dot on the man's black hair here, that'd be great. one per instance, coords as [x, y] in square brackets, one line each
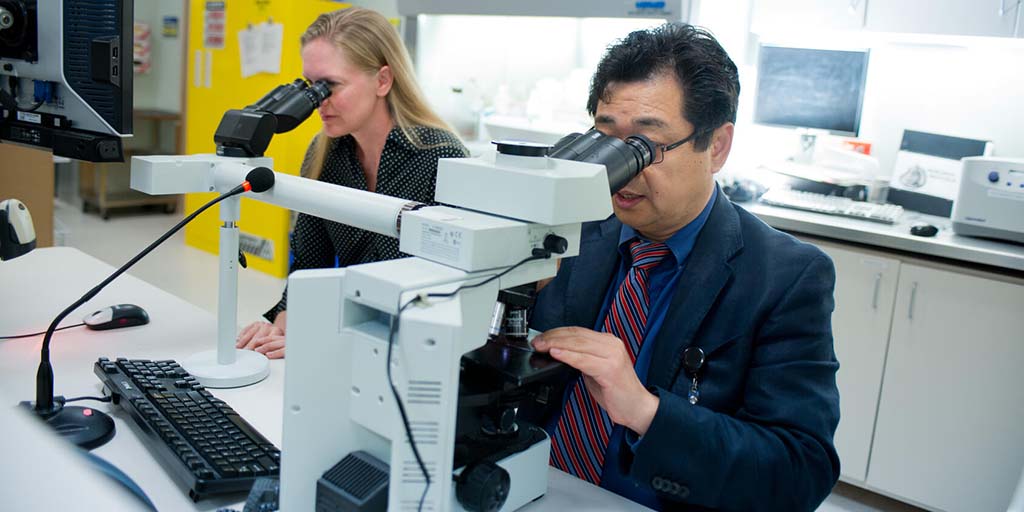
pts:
[709, 79]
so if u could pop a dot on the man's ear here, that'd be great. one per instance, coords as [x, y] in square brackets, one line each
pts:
[721, 145]
[384, 81]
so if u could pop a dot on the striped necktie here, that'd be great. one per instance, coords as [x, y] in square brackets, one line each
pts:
[581, 437]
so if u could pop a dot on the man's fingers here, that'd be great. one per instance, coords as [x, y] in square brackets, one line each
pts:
[580, 340]
[588, 364]
[275, 354]
[565, 332]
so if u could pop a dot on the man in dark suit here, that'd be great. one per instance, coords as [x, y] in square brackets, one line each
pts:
[702, 337]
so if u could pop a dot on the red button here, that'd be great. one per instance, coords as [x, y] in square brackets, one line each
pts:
[87, 412]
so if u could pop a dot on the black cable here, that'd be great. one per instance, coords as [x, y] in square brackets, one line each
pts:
[538, 254]
[96, 398]
[44, 377]
[33, 108]
[401, 406]
[11, 99]
[40, 332]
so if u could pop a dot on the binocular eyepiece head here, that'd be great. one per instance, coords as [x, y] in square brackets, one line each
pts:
[623, 159]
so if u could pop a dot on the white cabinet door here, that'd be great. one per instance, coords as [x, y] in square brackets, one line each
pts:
[865, 292]
[787, 16]
[950, 429]
[958, 17]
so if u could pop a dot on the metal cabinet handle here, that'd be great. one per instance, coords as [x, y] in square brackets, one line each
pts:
[913, 298]
[1002, 7]
[1014, 5]
[878, 286]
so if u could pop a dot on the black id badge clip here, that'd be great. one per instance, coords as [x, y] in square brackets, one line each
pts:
[693, 363]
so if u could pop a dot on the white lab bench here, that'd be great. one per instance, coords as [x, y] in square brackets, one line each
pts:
[47, 280]
[928, 337]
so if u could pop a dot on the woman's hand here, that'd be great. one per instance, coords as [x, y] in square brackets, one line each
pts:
[265, 338]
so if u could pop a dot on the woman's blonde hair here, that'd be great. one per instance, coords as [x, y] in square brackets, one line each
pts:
[371, 42]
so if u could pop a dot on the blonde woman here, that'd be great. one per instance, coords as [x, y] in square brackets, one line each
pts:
[379, 135]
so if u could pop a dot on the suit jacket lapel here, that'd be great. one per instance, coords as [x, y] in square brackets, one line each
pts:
[707, 272]
[593, 273]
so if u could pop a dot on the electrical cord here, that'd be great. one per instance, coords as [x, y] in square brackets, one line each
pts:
[40, 332]
[95, 398]
[538, 254]
[401, 405]
[10, 100]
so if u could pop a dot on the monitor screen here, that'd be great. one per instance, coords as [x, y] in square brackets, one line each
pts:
[810, 88]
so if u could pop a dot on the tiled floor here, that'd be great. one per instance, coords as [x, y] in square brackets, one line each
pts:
[191, 274]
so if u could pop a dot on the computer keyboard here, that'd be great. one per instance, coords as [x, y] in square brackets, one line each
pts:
[202, 442]
[832, 205]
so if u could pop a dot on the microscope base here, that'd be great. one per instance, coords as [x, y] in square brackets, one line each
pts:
[528, 471]
[249, 368]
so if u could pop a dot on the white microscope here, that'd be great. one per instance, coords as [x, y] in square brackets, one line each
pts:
[394, 397]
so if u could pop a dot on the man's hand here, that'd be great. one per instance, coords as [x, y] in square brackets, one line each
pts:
[607, 372]
[265, 338]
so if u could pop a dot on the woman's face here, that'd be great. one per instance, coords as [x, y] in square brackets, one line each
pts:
[354, 93]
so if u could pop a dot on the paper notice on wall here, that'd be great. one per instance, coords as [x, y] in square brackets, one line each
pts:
[271, 41]
[260, 48]
[249, 51]
[926, 174]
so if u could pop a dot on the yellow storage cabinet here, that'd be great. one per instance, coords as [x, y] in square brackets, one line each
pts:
[215, 85]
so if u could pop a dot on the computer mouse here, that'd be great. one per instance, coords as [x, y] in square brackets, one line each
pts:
[114, 317]
[923, 230]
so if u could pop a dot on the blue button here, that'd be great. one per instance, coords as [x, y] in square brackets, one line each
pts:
[993, 176]
[1008, 184]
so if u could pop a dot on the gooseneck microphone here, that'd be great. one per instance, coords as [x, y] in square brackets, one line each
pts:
[86, 427]
[258, 180]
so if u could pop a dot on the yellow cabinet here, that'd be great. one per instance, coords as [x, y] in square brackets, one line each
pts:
[215, 85]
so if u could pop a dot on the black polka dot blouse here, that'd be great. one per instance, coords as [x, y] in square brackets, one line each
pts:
[405, 171]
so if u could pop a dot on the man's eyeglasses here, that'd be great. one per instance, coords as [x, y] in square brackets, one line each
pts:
[661, 149]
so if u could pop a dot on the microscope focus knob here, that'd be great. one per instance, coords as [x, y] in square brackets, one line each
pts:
[556, 244]
[482, 487]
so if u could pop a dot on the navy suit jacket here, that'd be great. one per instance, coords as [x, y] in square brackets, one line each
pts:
[759, 303]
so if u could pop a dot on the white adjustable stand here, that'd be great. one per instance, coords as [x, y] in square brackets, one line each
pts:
[227, 366]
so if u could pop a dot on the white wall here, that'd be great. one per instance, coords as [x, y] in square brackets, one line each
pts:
[973, 90]
[160, 87]
[388, 8]
[549, 58]
[960, 86]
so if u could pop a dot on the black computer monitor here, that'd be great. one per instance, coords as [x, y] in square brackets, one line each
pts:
[811, 88]
[66, 76]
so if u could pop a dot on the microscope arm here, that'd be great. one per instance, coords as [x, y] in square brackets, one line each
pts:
[174, 174]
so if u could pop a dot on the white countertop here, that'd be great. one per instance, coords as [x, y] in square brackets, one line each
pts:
[945, 244]
[40, 284]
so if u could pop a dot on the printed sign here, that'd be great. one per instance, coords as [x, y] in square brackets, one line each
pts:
[215, 25]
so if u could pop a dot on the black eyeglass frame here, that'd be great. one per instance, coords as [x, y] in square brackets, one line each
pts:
[665, 148]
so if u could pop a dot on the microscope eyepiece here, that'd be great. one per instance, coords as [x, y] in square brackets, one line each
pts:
[247, 132]
[318, 92]
[623, 159]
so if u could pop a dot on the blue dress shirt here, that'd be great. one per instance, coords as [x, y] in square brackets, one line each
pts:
[661, 280]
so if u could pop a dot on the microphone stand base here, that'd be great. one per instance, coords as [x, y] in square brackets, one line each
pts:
[84, 426]
[249, 368]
